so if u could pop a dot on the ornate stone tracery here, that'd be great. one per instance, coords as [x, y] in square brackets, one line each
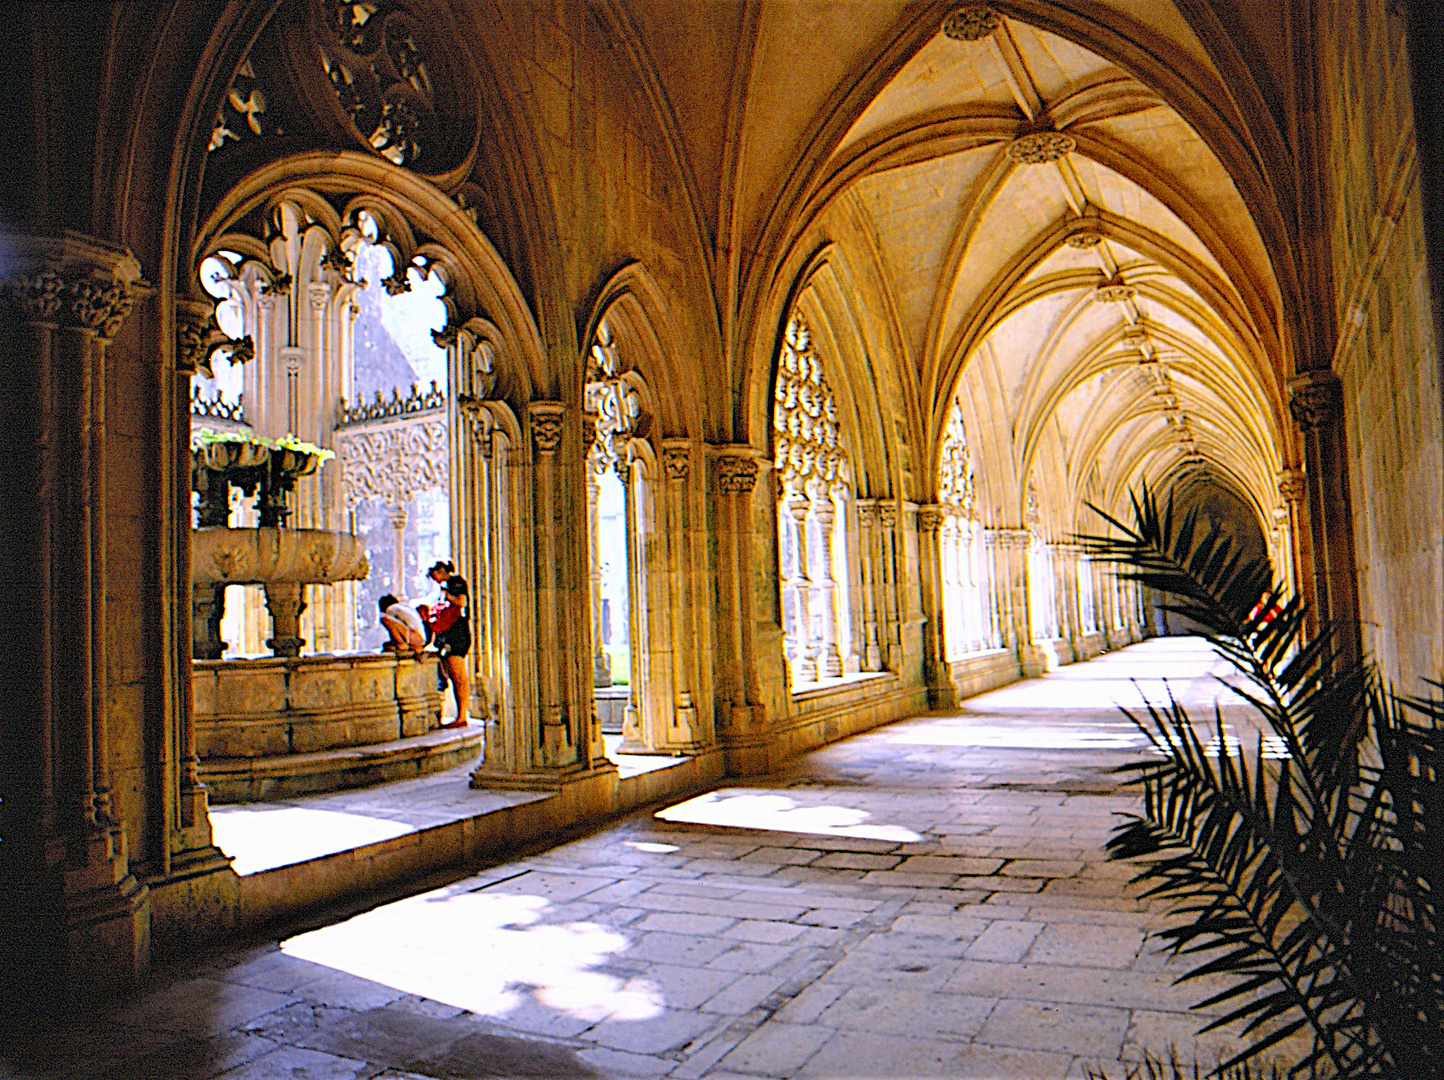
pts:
[613, 402]
[955, 469]
[806, 433]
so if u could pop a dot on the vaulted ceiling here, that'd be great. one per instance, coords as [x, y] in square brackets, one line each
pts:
[1058, 245]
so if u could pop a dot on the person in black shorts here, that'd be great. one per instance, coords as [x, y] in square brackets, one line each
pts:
[451, 630]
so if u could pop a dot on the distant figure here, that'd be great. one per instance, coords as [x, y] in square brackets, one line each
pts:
[452, 635]
[408, 630]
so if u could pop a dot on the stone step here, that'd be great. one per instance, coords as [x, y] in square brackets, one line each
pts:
[283, 776]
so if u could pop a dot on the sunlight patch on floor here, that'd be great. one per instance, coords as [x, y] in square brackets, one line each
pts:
[486, 953]
[1023, 736]
[742, 808]
[265, 837]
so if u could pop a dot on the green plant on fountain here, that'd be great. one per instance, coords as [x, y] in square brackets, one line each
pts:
[283, 560]
[1312, 882]
[252, 463]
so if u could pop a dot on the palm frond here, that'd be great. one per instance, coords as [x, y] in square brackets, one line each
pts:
[1312, 884]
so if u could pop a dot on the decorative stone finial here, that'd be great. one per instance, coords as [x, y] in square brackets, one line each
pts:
[971, 23]
[1040, 147]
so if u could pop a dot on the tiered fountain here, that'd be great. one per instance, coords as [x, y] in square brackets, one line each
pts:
[283, 725]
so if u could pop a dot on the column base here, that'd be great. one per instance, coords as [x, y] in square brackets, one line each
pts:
[107, 918]
[551, 780]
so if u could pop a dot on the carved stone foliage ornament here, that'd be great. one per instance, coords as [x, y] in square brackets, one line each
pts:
[390, 77]
[243, 111]
[736, 475]
[70, 299]
[198, 339]
[546, 431]
[931, 518]
[1040, 147]
[955, 469]
[677, 462]
[1315, 400]
[1292, 487]
[806, 433]
[393, 461]
[971, 23]
[613, 403]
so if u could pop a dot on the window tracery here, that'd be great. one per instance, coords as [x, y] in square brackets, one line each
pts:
[813, 474]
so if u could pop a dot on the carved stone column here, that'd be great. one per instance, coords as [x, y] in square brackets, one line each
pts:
[894, 603]
[1294, 491]
[824, 586]
[735, 472]
[69, 899]
[868, 559]
[942, 692]
[1317, 403]
[802, 645]
[558, 742]
[685, 732]
[601, 663]
[1011, 546]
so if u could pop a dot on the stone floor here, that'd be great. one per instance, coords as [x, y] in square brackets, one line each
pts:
[928, 899]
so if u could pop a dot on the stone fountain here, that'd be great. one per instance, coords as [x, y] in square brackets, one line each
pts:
[285, 725]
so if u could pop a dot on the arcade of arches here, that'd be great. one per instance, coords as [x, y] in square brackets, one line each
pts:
[756, 363]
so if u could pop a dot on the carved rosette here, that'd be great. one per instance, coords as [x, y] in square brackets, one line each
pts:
[1084, 238]
[971, 23]
[736, 475]
[1040, 147]
[1114, 291]
[1316, 400]
[677, 463]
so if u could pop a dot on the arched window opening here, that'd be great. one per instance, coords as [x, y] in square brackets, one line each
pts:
[616, 502]
[814, 500]
[968, 622]
[393, 430]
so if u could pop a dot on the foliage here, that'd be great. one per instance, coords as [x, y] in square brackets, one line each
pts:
[207, 437]
[1313, 882]
[1152, 1068]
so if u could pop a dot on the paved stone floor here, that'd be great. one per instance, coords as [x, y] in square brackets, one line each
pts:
[928, 899]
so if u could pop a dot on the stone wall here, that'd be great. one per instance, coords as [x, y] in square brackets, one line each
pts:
[1386, 354]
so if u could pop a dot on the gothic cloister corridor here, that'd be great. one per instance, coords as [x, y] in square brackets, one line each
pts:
[927, 899]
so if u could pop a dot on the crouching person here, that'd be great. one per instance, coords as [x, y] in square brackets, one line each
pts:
[409, 632]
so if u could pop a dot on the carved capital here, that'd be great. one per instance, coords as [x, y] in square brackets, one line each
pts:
[1292, 486]
[736, 475]
[677, 462]
[546, 425]
[867, 514]
[1316, 400]
[931, 518]
[197, 338]
[69, 281]
[887, 516]
[318, 293]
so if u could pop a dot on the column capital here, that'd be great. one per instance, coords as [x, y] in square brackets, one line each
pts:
[677, 460]
[931, 517]
[736, 470]
[1292, 486]
[546, 424]
[69, 281]
[197, 337]
[1316, 399]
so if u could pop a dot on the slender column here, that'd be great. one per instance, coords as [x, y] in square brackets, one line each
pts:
[868, 566]
[634, 737]
[942, 693]
[735, 470]
[803, 643]
[683, 732]
[824, 587]
[891, 584]
[1317, 403]
[558, 741]
[66, 888]
[1294, 492]
[601, 663]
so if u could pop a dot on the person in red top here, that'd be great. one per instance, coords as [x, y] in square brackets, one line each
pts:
[451, 633]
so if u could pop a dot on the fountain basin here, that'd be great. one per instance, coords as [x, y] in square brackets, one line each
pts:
[275, 727]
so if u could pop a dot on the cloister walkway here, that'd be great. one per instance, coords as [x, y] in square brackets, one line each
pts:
[928, 899]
